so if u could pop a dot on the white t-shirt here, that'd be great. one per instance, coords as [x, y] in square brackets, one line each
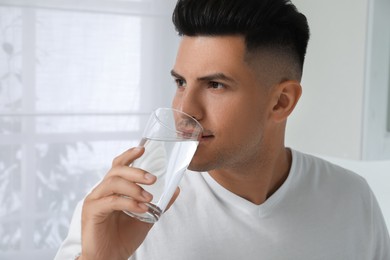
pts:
[321, 211]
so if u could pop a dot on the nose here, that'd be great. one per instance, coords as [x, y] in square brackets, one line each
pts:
[190, 102]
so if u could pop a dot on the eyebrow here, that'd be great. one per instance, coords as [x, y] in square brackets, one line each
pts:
[211, 77]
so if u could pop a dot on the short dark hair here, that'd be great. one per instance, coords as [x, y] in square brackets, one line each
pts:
[268, 24]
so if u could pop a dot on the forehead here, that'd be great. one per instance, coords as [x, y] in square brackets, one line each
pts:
[211, 54]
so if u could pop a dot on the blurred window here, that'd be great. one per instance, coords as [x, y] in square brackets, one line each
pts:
[77, 81]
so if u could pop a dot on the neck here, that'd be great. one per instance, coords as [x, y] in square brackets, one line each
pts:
[256, 181]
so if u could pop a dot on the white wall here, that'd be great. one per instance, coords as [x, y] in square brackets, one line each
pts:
[346, 83]
[328, 120]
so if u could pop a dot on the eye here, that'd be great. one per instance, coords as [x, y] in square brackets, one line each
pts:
[216, 85]
[180, 83]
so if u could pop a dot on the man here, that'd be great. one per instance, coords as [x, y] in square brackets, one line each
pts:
[238, 72]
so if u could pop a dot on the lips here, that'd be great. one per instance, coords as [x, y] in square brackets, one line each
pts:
[207, 135]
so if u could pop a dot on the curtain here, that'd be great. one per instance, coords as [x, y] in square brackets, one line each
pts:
[78, 80]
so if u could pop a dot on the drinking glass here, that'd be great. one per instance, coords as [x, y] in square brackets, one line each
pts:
[170, 140]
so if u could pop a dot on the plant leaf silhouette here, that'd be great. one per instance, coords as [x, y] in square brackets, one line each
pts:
[8, 48]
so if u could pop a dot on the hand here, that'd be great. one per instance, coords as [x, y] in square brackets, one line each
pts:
[107, 232]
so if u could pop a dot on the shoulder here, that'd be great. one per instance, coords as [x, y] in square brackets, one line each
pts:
[322, 174]
[334, 188]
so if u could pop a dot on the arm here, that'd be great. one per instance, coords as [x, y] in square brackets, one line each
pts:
[107, 232]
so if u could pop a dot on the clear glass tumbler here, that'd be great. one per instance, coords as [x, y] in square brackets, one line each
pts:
[170, 140]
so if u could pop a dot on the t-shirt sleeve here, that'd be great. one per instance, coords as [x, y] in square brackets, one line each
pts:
[71, 246]
[381, 240]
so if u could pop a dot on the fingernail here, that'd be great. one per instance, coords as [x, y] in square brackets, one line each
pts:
[146, 195]
[149, 176]
[138, 148]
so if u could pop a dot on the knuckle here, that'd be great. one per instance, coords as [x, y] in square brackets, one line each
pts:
[113, 199]
[113, 171]
[110, 181]
[123, 202]
[130, 203]
[117, 160]
[91, 196]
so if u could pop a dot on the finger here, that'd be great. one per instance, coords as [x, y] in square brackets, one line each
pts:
[116, 185]
[173, 199]
[128, 156]
[113, 203]
[131, 174]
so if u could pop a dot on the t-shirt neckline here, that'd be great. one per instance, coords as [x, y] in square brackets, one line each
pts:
[232, 200]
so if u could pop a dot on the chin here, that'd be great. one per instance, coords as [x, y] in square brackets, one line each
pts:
[195, 168]
[199, 167]
[202, 162]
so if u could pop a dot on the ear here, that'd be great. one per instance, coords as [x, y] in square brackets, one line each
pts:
[284, 98]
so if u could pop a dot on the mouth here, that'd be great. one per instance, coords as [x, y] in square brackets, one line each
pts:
[207, 135]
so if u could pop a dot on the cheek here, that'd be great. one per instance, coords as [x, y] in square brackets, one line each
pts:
[232, 121]
[246, 121]
[246, 126]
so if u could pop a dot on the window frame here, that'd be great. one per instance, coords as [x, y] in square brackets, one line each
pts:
[376, 114]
